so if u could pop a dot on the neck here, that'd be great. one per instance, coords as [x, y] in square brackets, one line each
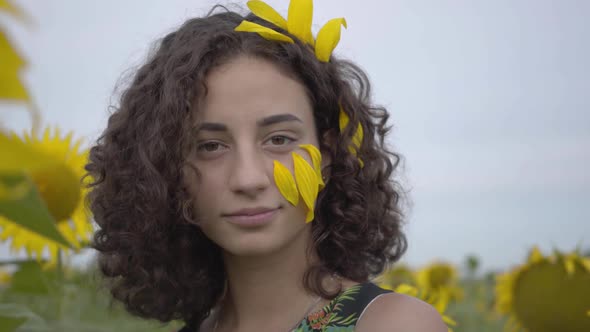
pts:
[267, 291]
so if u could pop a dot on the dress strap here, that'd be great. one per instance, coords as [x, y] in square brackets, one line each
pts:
[345, 310]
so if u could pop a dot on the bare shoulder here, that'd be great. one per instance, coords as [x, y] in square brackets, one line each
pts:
[398, 312]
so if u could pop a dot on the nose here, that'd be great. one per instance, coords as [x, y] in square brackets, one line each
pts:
[249, 174]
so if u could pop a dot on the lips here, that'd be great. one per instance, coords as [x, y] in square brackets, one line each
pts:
[252, 217]
[251, 211]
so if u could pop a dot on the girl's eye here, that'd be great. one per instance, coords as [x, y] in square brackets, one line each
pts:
[280, 140]
[209, 147]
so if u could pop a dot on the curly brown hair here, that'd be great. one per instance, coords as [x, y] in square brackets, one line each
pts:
[158, 262]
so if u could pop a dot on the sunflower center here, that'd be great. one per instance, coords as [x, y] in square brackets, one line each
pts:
[440, 277]
[60, 189]
[546, 298]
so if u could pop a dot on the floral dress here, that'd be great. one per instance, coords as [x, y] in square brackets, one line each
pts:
[343, 312]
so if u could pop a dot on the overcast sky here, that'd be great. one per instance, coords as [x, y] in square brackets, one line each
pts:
[489, 101]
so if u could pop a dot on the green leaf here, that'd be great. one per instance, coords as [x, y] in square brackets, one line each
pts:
[13, 315]
[9, 324]
[31, 279]
[29, 210]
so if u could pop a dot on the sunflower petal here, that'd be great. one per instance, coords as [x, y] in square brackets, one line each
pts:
[299, 20]
[266, 33]
[535, 255]
[307, 183]
[569, 265]
[343, 120]
[285, 182]
[357, 138]
[309, 216]
[11, 86]
[316, 158]
[22, 157]
[267, 13]
[448, 320]
[328, 37]
[11, 59]
[407, 290]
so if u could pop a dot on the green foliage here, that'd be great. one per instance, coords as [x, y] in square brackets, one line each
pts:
[12, 316]
[30, 279]
[29, 210]
[472, 264]
[78, 303]
[474, 313]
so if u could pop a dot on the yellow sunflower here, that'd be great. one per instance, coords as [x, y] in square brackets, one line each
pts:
[546, 294]
[59, 184]
[440, 279]
[398, 274]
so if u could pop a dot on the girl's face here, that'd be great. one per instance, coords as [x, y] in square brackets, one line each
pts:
[252, 115]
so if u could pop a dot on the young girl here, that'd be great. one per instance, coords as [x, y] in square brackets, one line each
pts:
[243, 184]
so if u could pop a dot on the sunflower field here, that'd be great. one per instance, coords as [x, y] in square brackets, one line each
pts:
[43, 214]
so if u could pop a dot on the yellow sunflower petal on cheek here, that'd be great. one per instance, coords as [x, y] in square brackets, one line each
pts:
[285, 182]
[263, 31]
[307, 182]
[316, 158]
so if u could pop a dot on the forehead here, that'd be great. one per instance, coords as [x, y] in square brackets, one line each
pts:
[252, 88]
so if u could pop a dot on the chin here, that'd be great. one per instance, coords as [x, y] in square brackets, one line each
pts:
[249, 245]
[250, 251]
[266, 243]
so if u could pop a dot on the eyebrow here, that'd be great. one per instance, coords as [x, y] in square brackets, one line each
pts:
[264, 122]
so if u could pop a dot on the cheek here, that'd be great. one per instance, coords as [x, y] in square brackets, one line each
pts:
[197, 184]
[208, 188]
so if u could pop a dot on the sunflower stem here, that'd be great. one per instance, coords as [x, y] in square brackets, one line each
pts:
[60, 284]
